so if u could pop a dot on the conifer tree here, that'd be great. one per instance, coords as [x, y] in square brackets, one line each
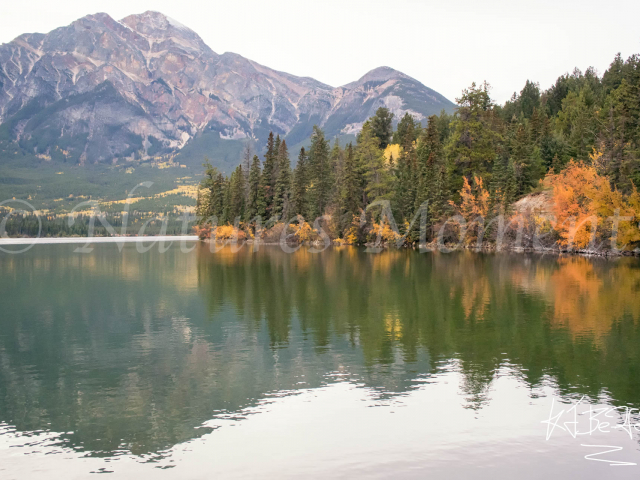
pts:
[267, 181]
[336, 158]
[350, 196]
[405, 184]
[430, 157]
[255, 202]
[377, 174]
[439, 202]
[226, 203]
[237, 188]
[407, 130]
[382, 127]
[211, 194]
[300, 185]
[276, 164]
[320, 174]
[283, 182]
[475, 137]
[527, 167]
[502, 189]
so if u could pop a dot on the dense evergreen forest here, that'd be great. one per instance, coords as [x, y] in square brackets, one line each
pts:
[578, 140]
[136, 223]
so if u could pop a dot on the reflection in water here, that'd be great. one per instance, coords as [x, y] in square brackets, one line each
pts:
[131, 353]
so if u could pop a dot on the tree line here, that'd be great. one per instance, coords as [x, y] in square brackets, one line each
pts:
[482, 158]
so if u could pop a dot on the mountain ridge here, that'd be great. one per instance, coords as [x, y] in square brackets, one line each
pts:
[169, 90]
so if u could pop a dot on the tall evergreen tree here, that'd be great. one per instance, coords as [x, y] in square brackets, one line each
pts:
[300, 185]
[320, 174]
[476, 135]
[382, 127]
[211, 194]
[350, 196]
[283, 182]
[237, 187]
[406, 179]
[377, 175]
[407, 130]
[336, 158]
[430, 161]
[267, 181]
[255, 202]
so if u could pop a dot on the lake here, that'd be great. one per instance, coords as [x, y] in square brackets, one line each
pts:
[188, 363]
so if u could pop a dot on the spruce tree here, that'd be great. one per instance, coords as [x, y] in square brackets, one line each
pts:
[336, 158]
[320, 174]
[211, 194]
[226, 202]
[300, 184]
[350, 196]
[382, 127]
[283, 182]
[267, 181]
[476, 135]
[255, 202]
[237, 187]
[377, 175]
[407, 130]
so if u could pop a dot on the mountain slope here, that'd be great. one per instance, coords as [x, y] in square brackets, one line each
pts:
[101, 90]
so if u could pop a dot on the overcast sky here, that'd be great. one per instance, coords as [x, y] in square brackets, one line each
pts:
[444, 44]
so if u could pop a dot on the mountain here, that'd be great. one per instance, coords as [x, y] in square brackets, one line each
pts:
[105, 91]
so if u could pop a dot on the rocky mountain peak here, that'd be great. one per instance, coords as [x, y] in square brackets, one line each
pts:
[381, 74]
[166, 90]
[377, 75]
[157, 28]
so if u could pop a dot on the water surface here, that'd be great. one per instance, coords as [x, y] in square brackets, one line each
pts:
[338, 364]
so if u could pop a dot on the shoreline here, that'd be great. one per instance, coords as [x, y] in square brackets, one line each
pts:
[451, 248]
[429, 247]
[68, 240]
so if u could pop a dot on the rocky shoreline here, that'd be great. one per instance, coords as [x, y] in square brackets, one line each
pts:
[448, 248]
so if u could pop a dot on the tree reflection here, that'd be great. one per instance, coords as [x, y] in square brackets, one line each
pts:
[131, 352]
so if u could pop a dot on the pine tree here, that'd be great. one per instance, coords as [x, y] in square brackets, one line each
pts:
[476, 135]
[267, 181]
[276, 165]
[382, 127]
[237, 188]
[300, 184]
[430, 159]
[211, 194]
[439, 203]
[336, 158]
[405, 185]
[226, 203]
[407, 130]
[255, 202]
[350, 196]
[320, 174]
[502, 189]
[527, 167]
[283, 182]
[377, 175]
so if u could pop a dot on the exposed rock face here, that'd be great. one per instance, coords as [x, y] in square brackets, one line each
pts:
[102, 90]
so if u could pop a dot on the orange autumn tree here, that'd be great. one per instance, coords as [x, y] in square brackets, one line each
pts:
[586, 207]
[473, 207]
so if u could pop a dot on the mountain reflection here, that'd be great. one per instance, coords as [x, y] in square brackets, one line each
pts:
[130, 352]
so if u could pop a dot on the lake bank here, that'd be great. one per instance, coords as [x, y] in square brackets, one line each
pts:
[53, 240]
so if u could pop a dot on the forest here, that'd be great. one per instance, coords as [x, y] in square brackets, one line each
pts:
[576, 143]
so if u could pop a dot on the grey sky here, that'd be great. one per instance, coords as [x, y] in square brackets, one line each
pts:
[445, 44]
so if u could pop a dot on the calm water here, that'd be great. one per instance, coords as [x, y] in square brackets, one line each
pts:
[339, 364]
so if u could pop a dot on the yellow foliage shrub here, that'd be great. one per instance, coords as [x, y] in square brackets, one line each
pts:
[474, 203]
[585, 207]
